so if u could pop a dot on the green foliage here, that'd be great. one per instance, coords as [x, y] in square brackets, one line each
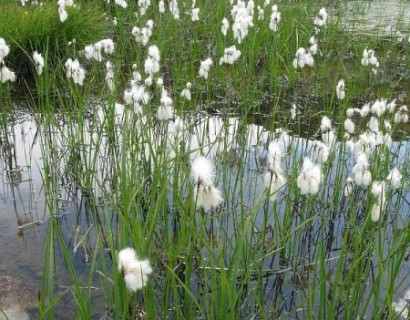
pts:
[317, 256]
[38, 28]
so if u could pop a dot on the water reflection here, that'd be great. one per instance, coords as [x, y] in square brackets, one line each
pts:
[377, 17]
[70, 170]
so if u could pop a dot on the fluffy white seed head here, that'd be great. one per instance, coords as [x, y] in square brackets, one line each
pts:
[7, 75]
[349, 126]
[225, 26]
[202, 171]
[274, 181]
[340, 89]
[4, 49]
[135, 272]
[394, 178]
[204, 68]
[309, 178]
[231, 54]
[208, 197]
[348, 187]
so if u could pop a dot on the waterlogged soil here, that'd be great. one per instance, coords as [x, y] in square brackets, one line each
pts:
[17, 298]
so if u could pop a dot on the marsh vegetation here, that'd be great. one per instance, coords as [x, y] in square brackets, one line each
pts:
[182, 160]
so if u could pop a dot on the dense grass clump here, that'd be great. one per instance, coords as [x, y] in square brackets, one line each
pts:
[38, 28]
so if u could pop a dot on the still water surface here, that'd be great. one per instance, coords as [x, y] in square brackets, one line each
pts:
[24, 213]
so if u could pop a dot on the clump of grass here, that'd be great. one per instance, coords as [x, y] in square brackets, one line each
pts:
[31, 28]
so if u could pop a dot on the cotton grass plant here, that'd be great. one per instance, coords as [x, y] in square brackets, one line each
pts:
[231, 216]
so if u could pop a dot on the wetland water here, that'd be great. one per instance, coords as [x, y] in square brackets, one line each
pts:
[378, 17]
[25, 209]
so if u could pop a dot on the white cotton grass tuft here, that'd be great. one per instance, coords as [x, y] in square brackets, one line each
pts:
[230, 56]
[143, 6]
[365, 110]
[379, 192]
[195, 14]
[143, 35]
[95, 51]
[401, 116]
[376, 212]
[173, 7]
[313, 45]
[121, 3]
[7, 75]
[325, 124]
[61, 5]
[109, 76]
[202, 171]
[378, 107]
[136, 95]
[209, 197]
[62, 13]
[349, 126]
[205, 67]
[348, 187]
[75, 71]
[149, 80]
[38, 62]
[329, 138]
[261, 13]
[159, 82]
[206, 194]
[321, 19]
[135, 272]
[340, 90]
[275, 18]
[361, 172]
[165, 111]
[320, 151]
[225, 26]
[151, 64]
[309, 178]
[4, 49]
[373, 124]
[242, 15]
[186, 92]
[161, 6]
[303, 58]
[274, 179]
[394, 178]
[378, 188]
[293, 111]
[369, 57]
[350, 112]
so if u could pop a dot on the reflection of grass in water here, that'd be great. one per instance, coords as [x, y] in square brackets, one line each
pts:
[318, 255]
[324, 246]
